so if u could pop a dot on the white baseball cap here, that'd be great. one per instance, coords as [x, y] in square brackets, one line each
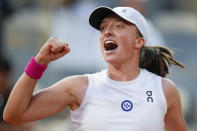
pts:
[127, 13]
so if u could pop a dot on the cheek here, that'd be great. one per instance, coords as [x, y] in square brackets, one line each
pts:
[101, 43]
[127, 44]
[127, 40]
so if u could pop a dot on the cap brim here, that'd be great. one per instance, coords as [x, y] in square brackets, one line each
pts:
[98, 15]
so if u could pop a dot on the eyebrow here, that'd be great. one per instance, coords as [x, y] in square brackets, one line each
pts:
[118, 20]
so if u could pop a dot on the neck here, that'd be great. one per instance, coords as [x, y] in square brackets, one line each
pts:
[123, 72]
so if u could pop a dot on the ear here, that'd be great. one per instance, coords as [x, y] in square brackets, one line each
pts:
[139, 43]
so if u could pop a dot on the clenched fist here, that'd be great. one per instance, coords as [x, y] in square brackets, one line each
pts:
[52, 50]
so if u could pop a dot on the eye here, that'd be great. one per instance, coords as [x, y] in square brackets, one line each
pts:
[102, 28]
[119, 26]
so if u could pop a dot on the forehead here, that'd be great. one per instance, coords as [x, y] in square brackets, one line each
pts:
[114, 17]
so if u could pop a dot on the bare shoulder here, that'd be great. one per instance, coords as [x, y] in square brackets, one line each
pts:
[168, 86]
[171, 92]
[71, 85]
[174, 119]
[74, 82]
[77, 87]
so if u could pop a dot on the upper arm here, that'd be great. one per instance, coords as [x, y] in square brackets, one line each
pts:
[174, 120]
[50, 101]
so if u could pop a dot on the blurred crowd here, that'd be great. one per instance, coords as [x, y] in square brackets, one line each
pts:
[25, 25]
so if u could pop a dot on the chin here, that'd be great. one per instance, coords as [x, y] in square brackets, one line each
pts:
[112, 61]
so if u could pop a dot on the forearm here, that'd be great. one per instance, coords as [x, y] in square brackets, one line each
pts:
[22, 105]
[20, 98]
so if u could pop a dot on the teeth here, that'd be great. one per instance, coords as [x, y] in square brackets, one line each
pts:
[110, 45]
[109, 41]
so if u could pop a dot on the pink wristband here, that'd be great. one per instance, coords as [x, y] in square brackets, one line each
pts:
[34, 70]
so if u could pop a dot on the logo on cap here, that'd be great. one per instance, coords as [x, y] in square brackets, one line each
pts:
[124, 10]
[126, 105]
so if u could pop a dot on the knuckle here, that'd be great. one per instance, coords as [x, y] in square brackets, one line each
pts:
[52, 39]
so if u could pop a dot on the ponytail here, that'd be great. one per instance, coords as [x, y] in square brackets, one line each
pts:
[158, 60]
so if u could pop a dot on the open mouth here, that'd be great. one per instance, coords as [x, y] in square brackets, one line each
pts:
[110, 45]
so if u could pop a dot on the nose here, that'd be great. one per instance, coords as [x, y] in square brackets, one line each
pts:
[108, 31]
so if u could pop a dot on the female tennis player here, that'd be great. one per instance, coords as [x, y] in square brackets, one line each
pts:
[132, 94]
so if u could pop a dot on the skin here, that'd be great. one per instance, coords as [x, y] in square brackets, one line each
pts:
[123, 65]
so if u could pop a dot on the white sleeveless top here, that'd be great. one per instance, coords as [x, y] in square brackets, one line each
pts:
[137, 105]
